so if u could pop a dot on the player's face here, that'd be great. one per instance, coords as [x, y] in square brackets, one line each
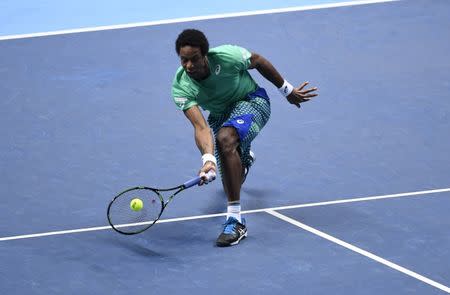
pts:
[193, 62]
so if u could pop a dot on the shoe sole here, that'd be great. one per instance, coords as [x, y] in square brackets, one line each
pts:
[234, 243]
[252, 155]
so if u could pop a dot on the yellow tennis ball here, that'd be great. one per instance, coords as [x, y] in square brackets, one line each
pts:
[136, 204]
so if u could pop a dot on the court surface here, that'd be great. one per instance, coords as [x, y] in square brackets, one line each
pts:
[349, 195]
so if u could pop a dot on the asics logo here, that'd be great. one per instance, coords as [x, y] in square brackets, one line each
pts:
[241, 231]
[217, 70]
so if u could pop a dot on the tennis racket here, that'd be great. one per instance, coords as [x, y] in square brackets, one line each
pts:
[138, 208]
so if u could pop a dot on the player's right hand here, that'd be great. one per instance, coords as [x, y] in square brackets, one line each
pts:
[207, 173]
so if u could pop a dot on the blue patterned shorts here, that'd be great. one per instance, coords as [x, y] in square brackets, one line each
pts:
[248, 117]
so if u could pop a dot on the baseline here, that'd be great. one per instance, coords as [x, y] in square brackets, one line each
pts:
[194, 18]
[342, 201]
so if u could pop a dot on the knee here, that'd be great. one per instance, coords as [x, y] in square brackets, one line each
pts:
[227, 140]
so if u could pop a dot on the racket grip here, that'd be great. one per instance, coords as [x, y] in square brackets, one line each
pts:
[192, 182]
[211, 175]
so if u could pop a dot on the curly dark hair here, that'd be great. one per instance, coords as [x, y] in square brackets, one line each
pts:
[194, 38]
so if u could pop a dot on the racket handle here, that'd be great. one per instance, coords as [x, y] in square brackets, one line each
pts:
[192, 182]
[211, 175]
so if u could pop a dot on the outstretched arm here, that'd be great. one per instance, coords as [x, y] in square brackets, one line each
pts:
[294, 95]
[203, 139]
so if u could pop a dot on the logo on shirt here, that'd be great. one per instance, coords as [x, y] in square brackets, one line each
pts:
[180, 101]
[217, 70]
[240, 121]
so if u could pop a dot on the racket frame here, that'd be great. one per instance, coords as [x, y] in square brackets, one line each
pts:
[157, 191]
[190, 183]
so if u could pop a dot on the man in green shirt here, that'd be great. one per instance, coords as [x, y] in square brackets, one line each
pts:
[218, 81]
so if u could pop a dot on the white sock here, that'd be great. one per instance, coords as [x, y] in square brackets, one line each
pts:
[234, 210]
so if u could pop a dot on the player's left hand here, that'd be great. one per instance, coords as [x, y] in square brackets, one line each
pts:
[300, 95]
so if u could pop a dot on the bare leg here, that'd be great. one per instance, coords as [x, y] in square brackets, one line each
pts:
[227, 144]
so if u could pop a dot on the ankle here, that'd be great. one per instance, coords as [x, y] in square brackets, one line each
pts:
[234, 210]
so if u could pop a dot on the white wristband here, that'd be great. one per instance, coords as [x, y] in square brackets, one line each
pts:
[209, 157]
[286, 89]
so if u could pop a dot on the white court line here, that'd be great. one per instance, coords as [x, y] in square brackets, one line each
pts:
[360, 251]
[356, 199]
[194, 18]
[98, 228]
[362, 199]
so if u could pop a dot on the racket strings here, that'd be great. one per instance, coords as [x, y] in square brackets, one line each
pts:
[128, 220]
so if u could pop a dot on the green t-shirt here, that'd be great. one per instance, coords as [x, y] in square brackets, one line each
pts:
[228, 82]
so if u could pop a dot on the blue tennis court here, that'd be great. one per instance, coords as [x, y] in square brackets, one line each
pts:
[349, 194]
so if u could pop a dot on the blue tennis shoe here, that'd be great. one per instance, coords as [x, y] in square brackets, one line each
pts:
[233, 232]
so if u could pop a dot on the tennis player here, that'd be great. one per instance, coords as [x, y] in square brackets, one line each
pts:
[218, 81]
